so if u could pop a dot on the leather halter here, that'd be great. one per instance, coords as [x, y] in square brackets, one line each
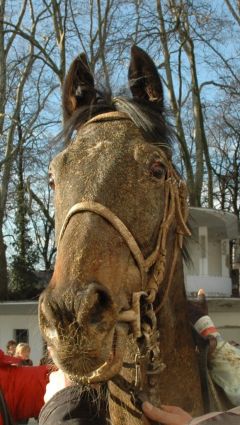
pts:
[175, 209]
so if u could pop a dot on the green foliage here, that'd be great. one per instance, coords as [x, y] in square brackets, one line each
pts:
[22, 277]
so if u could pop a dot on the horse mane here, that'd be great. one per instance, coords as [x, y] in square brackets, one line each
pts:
[148, 116]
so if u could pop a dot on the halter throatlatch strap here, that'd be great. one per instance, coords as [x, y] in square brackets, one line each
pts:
[175, 214]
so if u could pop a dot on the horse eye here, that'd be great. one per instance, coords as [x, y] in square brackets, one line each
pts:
[157, 170]
[51, 181]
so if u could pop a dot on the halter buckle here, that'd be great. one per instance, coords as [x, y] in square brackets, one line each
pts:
[138, 375]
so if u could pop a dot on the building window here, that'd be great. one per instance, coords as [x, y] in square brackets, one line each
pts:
[21, 335]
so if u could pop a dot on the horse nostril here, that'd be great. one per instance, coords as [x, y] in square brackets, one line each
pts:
[97, 306]
[102, 305]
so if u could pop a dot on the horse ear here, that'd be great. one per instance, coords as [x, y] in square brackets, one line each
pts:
[144, 80]
[78, 89]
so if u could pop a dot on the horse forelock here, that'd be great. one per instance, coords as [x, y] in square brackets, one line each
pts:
[147, 116]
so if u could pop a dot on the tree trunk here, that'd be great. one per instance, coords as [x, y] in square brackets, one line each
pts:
[176, 107]
[3, 268]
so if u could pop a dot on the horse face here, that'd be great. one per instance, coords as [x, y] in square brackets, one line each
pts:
[110, 164]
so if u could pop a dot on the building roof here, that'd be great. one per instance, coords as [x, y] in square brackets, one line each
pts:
[26, 308]
[224, 224]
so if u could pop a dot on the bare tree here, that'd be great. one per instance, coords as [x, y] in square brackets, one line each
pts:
[11, 124]
[16, 77]
[224, 141]
[196, 49]
[191, 36]
[30, 76]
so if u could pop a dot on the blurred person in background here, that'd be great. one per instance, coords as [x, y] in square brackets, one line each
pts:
[11, 347]
[23, 351]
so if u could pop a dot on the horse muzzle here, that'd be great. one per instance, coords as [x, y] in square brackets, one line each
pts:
[82, 330]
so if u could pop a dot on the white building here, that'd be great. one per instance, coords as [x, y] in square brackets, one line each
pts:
[209, 249]
[19, 321]
[211, 269]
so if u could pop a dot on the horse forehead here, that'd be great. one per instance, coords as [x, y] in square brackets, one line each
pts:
[104, 140]
[111, 130]
[101, 140]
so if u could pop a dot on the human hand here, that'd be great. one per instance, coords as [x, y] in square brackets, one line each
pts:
[198, 308]
[57, 381]
[169, 415]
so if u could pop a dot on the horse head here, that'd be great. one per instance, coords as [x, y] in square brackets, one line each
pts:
[120, 217]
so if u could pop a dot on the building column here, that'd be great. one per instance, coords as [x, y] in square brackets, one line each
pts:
[225, 251]
[203, 242]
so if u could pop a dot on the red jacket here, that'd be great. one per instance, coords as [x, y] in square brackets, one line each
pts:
[8, 360]
[23, 388]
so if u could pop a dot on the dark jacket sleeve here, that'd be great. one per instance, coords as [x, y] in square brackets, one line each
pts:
[72, 406]
[222, 418]
[225, 418]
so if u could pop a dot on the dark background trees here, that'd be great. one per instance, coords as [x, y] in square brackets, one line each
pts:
[195, 46]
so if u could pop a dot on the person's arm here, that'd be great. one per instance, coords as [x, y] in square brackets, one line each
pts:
[172, 415]
[8, 360]
[224, 358]
[68, 404]
[169, 415]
